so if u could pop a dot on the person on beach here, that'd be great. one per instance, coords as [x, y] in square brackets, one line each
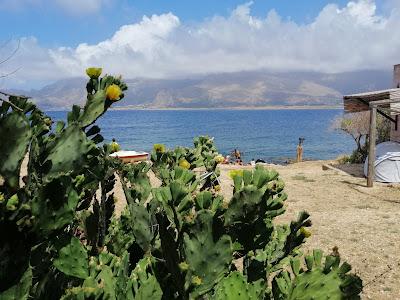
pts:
[253, 162]
[300, 150]
[237, 155]
[115, 147]
[227, 160]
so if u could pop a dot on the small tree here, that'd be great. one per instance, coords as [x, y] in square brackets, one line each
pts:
[357, 126]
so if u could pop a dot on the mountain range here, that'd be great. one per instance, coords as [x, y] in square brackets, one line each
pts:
[241, 89]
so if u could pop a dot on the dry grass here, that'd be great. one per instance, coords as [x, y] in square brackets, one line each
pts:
[364, 223]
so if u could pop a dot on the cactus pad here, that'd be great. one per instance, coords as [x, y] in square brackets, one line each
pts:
[19, 291]
[208, 259]
[318, 281]
[15, 133]
[53, 206]
[236, 287]
[69, 152]
[73, 259]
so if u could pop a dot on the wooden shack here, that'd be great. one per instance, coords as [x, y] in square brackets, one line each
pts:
[374, 102]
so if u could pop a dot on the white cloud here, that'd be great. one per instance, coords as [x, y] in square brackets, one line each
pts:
[346, 38]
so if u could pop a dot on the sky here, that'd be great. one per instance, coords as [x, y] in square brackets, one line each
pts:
[56, 39]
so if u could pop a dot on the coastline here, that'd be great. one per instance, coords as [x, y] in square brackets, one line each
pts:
[275, 107]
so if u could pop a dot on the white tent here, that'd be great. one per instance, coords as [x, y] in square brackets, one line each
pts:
[387, 162]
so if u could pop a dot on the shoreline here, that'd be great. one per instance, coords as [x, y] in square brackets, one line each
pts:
[277, 107]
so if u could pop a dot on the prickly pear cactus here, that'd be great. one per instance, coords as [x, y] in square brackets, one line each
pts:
[15, 134]
[180, 240]
[99, 98]
[145, 285]
[204, 271]
[236, 287]
[258, 197]
[317, 281]
[20, 290]
[53, 205]
[136, 182]
[142, 226]
[73, 260]
[68, 152]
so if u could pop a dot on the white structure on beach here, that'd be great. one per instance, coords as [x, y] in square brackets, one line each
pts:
[374, 102]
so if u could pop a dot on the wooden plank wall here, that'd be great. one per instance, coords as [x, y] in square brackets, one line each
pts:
[395, 134]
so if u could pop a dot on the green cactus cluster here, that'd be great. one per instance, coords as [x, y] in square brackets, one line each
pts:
[180, 240]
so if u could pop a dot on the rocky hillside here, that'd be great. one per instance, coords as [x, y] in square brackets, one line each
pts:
[241, 89]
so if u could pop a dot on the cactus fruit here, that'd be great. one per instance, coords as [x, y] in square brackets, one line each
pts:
[236, 287]
[317, 281]
[73, 259]
[210, 268]
[16, 134]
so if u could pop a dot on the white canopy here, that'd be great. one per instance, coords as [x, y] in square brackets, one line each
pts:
[387, 162]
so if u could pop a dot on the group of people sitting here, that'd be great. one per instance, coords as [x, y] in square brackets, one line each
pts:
[236, 158]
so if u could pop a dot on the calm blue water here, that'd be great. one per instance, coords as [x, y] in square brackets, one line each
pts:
[271, 135]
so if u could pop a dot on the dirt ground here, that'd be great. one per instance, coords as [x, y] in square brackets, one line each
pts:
[364, 223]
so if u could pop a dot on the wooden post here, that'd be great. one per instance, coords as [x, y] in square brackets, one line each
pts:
[372, 142]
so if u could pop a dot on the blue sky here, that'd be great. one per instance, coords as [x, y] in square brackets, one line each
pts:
[56, 26]
[167, 39]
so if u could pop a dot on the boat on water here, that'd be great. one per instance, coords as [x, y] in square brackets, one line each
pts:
[131, 156]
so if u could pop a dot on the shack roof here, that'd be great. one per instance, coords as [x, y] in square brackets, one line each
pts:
[361, 102]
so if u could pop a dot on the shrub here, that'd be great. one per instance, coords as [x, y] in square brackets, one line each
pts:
[357, 126]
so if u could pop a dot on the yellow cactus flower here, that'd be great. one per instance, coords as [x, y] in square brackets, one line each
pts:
[113, 92]
[12, 203]
[196, 280]
[305, 232]
[184, 266]
[94, 72]
[184, 164]
[233, 173]
[159, 148]
[219, 158]
[217, 188]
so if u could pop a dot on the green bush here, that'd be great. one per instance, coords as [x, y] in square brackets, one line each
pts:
[61, 237]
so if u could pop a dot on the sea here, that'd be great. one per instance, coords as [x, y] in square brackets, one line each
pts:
[270, 135]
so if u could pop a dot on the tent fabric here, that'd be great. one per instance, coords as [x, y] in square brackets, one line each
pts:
[387, 162]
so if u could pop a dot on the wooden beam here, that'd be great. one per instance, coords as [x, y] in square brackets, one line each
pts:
[385, 101]
[372, 146]
[374, 103]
